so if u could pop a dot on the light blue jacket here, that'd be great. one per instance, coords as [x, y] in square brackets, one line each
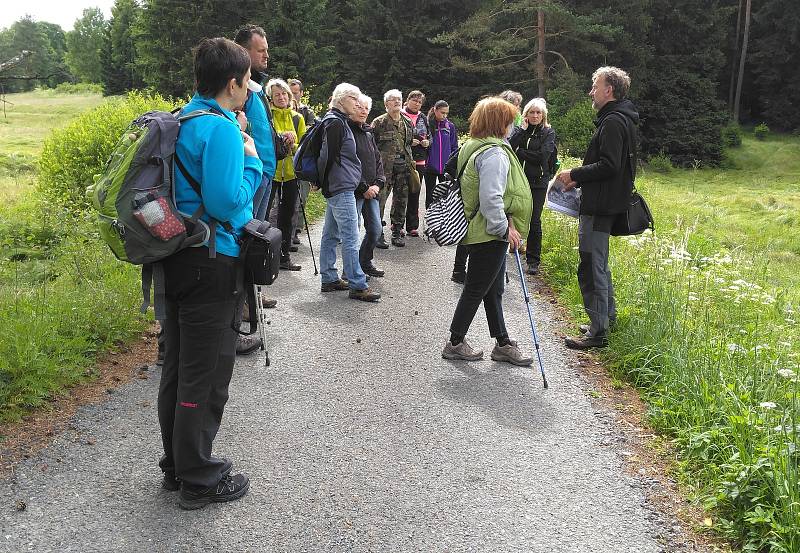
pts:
[212, 150]
[261, 132]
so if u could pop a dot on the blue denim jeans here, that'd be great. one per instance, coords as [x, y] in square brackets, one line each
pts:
[261, 199]
[372, 224]
[341, 222]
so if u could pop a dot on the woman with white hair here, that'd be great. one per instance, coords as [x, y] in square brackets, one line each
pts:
[340, 177]
[534, 143]
[291, 127]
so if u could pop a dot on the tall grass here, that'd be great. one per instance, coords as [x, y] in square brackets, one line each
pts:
[63, 296]
[712, 343]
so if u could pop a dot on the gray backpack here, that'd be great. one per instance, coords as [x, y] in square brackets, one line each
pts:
[135, 199]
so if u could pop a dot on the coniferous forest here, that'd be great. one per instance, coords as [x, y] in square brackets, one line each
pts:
[696, 65]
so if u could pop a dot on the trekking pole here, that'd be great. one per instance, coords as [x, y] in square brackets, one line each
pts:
[308, 233]
[530, 315]
[262, 323]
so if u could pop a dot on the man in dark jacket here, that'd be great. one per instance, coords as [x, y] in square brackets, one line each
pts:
[606, 183]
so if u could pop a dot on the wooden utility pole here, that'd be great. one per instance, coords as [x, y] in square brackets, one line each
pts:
[734, 57]
[737, 100]
[540, 71]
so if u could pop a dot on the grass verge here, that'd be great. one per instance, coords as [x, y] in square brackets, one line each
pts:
[707, 329]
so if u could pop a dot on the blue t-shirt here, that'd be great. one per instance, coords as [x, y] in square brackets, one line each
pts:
[212, 150]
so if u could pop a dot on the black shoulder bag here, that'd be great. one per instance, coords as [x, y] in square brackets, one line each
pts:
[638, 217]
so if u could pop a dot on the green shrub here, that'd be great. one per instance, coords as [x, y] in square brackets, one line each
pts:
[79, 88]
[575, 129]
[72, 155]
[761, 132]
[660, 163]
[732, 135]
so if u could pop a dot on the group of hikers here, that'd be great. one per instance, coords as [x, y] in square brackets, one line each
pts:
[243, 162]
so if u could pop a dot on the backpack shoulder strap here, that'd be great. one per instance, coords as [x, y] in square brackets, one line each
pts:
[296, 122]
[632, 151]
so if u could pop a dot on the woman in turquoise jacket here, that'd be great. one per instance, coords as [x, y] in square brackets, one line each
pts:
[202, 292]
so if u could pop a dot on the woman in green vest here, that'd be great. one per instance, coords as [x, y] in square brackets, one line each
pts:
[497, 204]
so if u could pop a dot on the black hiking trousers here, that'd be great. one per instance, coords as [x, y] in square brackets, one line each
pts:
[202, 299]
[485, 283]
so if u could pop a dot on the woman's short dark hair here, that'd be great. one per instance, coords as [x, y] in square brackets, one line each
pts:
[216, 62]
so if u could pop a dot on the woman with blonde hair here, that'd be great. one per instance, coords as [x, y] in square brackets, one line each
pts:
[290, 126]
[534, 143]
[497, 204]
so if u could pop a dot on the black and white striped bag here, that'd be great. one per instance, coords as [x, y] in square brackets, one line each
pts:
[445, 221]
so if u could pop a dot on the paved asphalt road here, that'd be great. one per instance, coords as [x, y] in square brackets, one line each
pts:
[359, 437]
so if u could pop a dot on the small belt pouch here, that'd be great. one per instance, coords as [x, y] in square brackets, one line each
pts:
[261, 252]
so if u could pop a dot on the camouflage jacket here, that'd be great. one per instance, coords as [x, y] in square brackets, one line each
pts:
[385, 130]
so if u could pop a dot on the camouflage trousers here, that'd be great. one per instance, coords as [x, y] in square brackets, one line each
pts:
[398, 186]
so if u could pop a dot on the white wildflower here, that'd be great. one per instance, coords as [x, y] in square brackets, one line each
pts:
[736, 348]
[787, 373]
[767, 405]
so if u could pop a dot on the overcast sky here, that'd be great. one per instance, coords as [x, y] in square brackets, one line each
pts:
[62, 12]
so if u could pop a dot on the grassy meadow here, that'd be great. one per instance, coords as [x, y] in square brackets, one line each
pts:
[28, 119]
[708, 330]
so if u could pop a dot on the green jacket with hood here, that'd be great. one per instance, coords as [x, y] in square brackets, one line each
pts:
[517, 201]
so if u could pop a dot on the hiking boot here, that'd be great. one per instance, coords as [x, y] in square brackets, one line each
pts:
[364, 295]
[461, 352]
[268, 303]
[245, 345]
[533, 269]
[171, 483]
[398, 241]
[293, 248]
[230, 488]
[458, 277]
[585, 342]
[288, 265]
[335, 286]
[382, 244]
[372, 270]
[414, 233]
[296, 239]
[510, 353]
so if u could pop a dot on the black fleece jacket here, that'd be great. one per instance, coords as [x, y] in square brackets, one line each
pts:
[606, 176]
[369, 156]
[533, 147]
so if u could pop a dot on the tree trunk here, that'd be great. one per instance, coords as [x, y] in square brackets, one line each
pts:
[540, 72]
[745, 39]
[734, 57]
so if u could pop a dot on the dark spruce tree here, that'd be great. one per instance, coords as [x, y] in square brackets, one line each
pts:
[678, 90]
[773, 65]
[120, 73]
[527, 46]
[301, 37]
[392, 45]
[167, 31]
